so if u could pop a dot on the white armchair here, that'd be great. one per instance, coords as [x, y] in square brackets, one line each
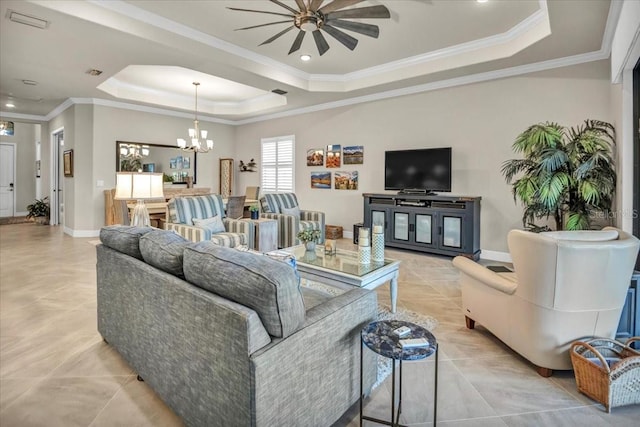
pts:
[567, 285]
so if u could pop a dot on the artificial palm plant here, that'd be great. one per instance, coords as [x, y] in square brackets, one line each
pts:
[565, 173]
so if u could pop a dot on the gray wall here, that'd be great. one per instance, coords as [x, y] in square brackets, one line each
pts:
[24, 137]
[479, 121]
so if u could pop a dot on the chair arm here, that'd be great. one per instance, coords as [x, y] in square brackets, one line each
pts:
[314, 216]
[288, 226]
[243, 226]
[189, 232]
[484, 275]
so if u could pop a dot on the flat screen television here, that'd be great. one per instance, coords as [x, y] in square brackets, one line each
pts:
[424, 170]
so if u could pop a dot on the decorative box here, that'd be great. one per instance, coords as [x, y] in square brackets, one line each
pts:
[333, 232]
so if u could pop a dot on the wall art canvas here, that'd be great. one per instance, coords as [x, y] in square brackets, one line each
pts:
[345, 180]
[334, 153]
[353, 155]
[186, 162]
[321, 180]
[172, 163]
[315, 157]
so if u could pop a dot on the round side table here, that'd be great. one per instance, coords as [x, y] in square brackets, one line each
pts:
[380, 338]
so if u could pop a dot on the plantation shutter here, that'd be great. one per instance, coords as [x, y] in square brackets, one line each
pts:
[277, 165]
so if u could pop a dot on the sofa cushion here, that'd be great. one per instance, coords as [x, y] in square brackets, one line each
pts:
[124, 238]
[295, 211]
[267, 286]
[213, 224]
[164, 250]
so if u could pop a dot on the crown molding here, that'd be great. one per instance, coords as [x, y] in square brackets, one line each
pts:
[615, 8]
[443, 84]
[19, 116]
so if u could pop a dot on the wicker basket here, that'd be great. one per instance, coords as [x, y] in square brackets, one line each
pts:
[607, 371]
[333, 232]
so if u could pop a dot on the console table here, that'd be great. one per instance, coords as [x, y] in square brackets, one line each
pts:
[445, 225]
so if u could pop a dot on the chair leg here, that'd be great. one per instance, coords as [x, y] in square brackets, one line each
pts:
[544, 372]
[470, 322]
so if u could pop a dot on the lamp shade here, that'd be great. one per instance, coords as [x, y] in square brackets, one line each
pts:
[139, 186]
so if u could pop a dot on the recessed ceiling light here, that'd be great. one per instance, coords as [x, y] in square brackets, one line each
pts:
[305, 57]
[9, 105]
[94, 72]
[32, 21]
[482, 1]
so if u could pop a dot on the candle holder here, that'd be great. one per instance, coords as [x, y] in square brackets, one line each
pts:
[377, 244]
[329, 247]
[364, 250]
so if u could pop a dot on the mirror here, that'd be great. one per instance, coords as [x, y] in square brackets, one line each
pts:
[176, 164]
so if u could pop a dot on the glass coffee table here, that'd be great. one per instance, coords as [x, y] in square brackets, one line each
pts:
[343, 270]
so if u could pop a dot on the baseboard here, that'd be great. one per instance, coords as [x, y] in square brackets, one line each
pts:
[81, 233]
[495, 256]
[21, 213]
[347, 234]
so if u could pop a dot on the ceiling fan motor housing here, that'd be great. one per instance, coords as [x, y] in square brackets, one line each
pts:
[309, 21]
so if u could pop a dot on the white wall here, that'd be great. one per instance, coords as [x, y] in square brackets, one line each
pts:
[479, 121]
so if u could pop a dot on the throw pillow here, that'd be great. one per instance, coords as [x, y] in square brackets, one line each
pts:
[295, 211]
[164, 250]
[213, 224]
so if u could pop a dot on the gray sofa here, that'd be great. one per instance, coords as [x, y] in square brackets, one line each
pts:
[228, 338]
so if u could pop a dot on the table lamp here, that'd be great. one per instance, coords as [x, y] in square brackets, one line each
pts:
[139, 186]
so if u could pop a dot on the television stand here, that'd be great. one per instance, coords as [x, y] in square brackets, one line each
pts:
[444, 225]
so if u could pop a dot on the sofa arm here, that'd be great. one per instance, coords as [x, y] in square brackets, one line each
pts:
[189, 232]
[314, 216]
[484, 275]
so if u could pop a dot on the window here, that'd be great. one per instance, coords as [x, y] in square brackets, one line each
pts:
[277, 164]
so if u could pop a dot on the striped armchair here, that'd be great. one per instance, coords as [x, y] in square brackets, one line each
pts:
[284, 208]
[181, 211]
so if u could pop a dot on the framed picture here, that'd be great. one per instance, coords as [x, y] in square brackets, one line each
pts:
[333, 156]
[353, 155]
[37, 168]
[345, 180]
[321, 180]
[68, 162]
[315, 157]
[186, 162]
[172, 163]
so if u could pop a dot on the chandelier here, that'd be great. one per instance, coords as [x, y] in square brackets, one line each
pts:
[199, 141]
[133, 151]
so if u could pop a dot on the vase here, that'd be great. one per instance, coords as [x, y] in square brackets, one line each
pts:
[310, 246]
[255, 214]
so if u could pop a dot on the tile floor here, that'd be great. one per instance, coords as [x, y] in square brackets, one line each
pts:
[56, 371]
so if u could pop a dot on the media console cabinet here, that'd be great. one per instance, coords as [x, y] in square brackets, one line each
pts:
[445, 225]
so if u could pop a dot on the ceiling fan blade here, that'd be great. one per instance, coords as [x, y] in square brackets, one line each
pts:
[341, 36]
[315, 4]
[297, 42]
[362, 12]
[262, 25]
[261, 11]
[279, 3]
[321, 42]
[301, 5]
[358, 27]
[267, 41]
[338, 4]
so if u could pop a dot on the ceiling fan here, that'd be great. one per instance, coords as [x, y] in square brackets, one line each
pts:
[315, 18]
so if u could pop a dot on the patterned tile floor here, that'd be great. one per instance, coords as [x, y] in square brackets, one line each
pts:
[56, 371]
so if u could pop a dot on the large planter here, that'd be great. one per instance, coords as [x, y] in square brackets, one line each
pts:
[42, 220]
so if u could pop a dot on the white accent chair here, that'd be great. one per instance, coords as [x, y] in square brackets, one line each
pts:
[567, 286]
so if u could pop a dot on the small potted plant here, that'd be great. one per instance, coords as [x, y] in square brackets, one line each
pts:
[39, 210]
[255, 211]
[309, 238]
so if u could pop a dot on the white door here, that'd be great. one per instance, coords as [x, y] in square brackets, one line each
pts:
[7, 180]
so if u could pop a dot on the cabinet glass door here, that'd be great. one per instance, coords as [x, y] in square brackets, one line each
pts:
[452, 233]
[423, 228]
[400, 226]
